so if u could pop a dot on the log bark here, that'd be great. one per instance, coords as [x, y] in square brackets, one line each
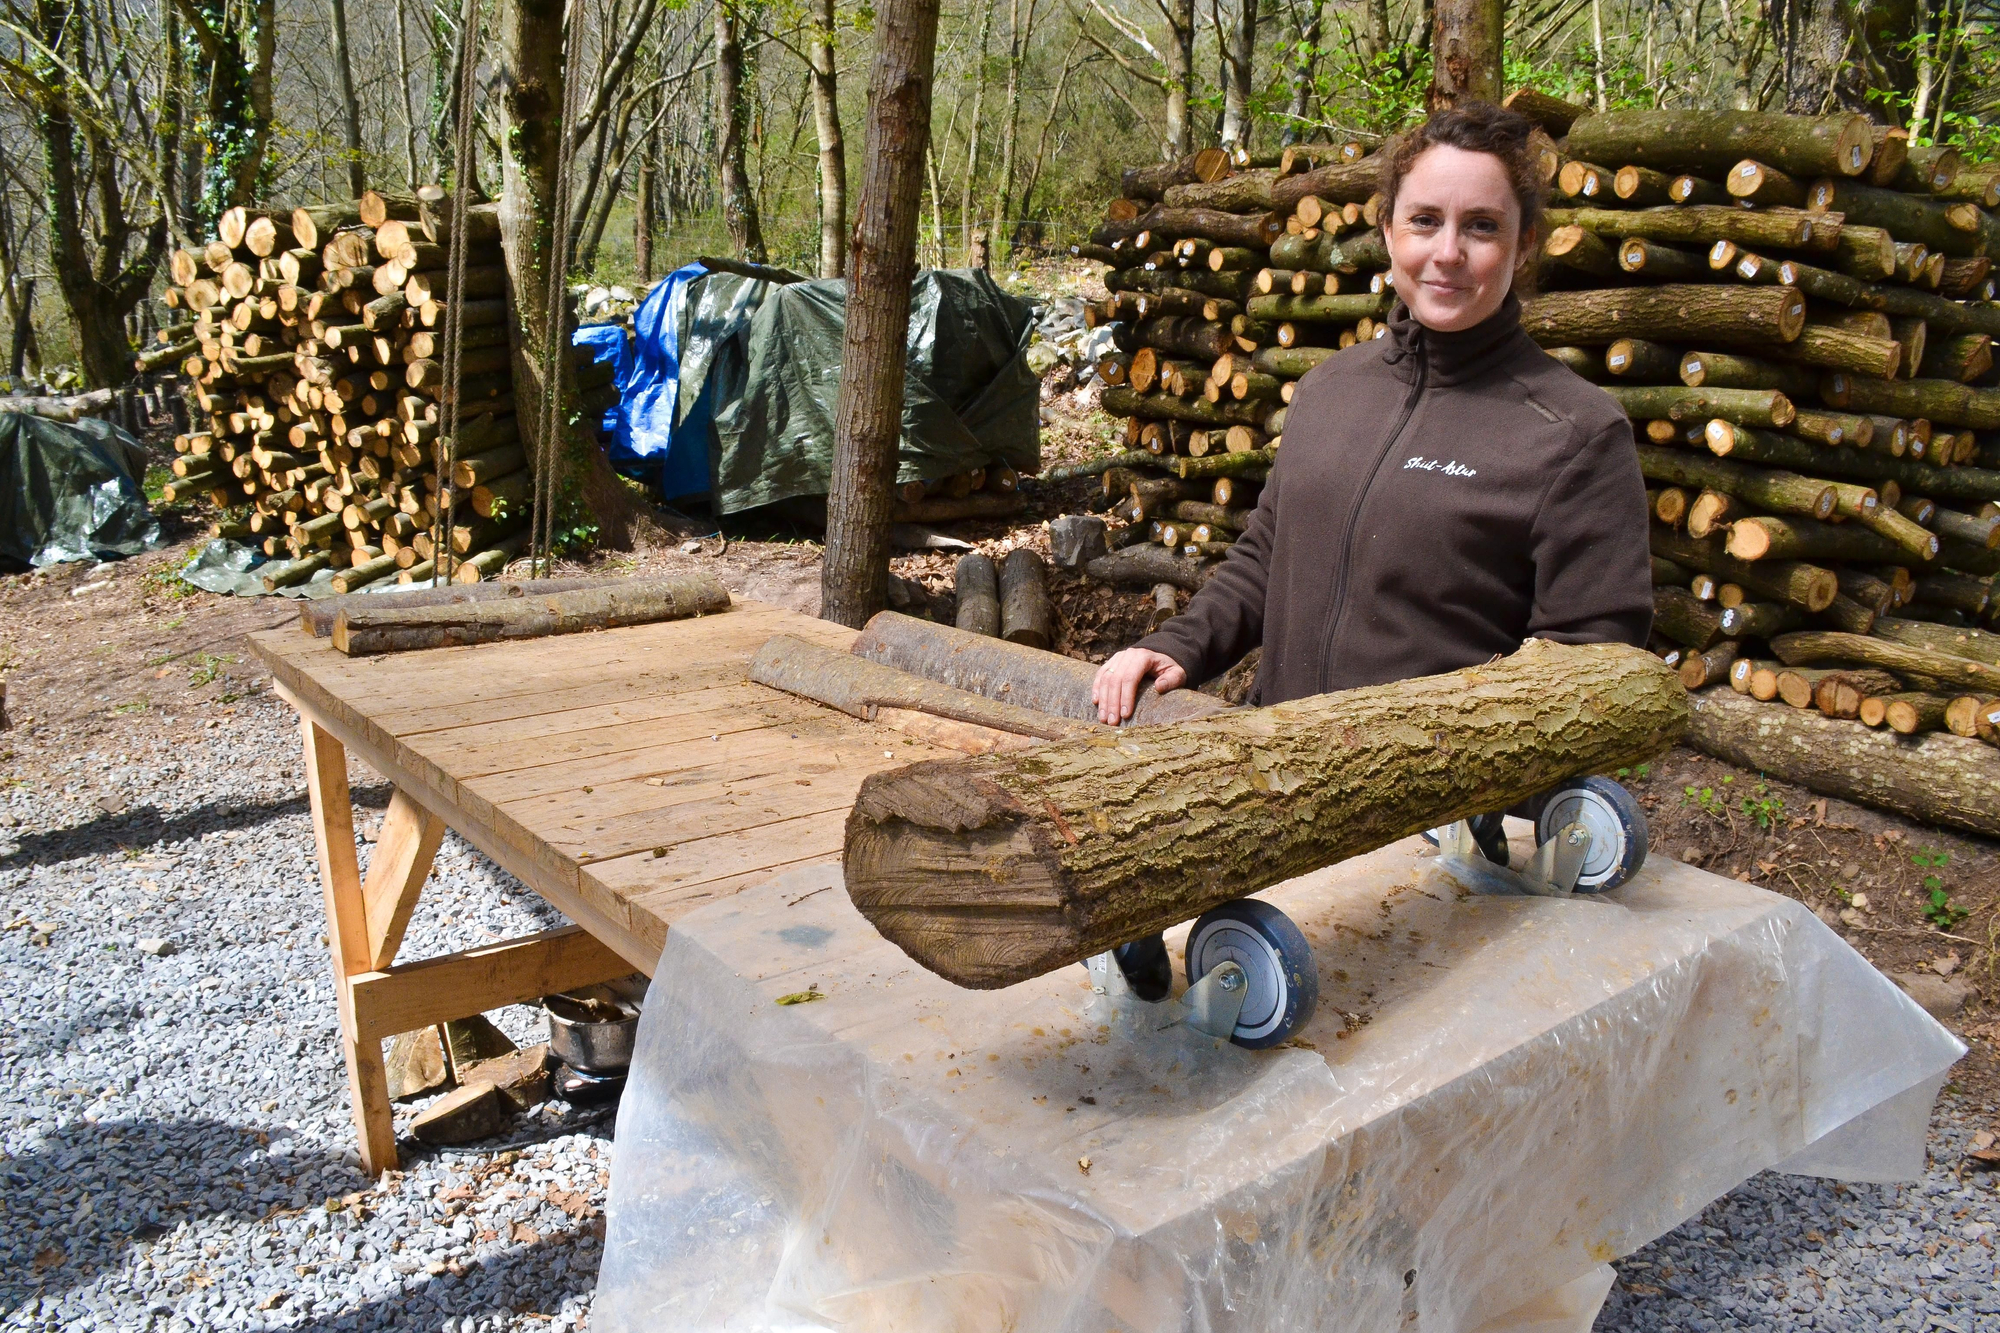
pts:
[1793, 582]
[1939, 778]
[1467, 37]
[1253, 464]
[1161, 223]
[1144, 566]
[1167, 407]
[1692, 224]
[1244, 192]
[1723, 370]
[1335, 182]
[948, 508]
[1686, 619]
[1320, 309]
[1798, 687]
[1772, 491]
[1767, 538]
[990, 871]
[977, 584]
[1047, 683]
[1210, 164]
[1680, 313]
[365, 630]
[860, 686]
[1667, 402]
[1979, 645]
[1945, 402]
[1711, 142]
[1025, 615]
[1812, 647]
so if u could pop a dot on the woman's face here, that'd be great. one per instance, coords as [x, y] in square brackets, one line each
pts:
[1455, 239]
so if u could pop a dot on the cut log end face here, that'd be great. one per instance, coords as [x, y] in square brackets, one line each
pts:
[994, 869]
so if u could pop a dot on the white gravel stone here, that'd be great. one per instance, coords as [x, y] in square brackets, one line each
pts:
[173, 1105]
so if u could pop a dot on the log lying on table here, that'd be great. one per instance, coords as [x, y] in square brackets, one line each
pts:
[317, 618]
[1938, 778]
[993, 870]
[860, 687]
[1045, 682]
[361, 630]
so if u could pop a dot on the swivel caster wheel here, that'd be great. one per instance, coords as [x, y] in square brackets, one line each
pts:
[1616, 824]
[1281, 984]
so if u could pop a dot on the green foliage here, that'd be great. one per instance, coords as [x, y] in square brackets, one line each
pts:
[1939, 908]
[1705, 800]
[1639, 774]
[1767, 810]
[208, 667]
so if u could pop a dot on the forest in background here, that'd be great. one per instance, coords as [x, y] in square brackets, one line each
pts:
[730, 127]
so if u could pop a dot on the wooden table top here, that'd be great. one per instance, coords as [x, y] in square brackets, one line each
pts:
[627, 776]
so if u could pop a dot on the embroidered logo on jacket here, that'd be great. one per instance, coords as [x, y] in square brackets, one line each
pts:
[1451, 468]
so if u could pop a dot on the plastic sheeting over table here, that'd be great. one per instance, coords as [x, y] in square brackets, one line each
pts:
[1496, 1097]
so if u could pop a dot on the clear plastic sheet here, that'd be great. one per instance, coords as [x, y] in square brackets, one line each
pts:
[1497, 1097]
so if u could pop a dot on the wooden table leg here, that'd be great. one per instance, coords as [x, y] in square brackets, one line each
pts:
[347, 940]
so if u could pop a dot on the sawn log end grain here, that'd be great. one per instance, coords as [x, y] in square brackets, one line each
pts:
[995, 869]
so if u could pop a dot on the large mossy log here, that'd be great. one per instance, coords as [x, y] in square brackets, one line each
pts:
[1245, 192]
[1946, 402]
[1674, 313]
[1336, 182]
[861, 687]
[1709, 143]
[993, 870]
[1768, 489]
[1010, 673]
[1937, 778]
[1321, 309]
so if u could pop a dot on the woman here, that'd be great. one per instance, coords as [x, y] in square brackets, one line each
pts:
[1443, 492]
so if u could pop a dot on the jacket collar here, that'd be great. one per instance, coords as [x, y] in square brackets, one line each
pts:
[1453, 358]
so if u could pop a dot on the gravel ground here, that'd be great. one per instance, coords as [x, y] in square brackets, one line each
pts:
[177, 1151]
[174, 1130]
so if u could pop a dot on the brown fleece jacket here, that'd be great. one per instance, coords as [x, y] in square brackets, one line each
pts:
[1439, 497]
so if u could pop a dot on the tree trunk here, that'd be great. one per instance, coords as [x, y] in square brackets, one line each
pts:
[739, 202]
[854, 581]
[1018, 36]
[350, 106]
[1179, 60]
[642, 222]
[1239, 49]
[990, 871]
[531, 113]
[972, 142]
[832, 146]
[1305, 57]
[1467, 42]
[1940, 779]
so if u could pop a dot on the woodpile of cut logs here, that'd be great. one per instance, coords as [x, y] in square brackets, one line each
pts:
[312, 343]
[1796, 312]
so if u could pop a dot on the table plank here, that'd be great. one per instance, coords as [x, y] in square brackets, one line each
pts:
[501, 740]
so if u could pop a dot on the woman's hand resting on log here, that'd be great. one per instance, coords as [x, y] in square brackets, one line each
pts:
[1116, 689]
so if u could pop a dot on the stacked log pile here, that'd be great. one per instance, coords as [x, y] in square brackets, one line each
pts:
[313, 348]
[1796, 312]
[1226, 286]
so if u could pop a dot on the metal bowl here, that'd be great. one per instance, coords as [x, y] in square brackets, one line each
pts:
[585, 1040]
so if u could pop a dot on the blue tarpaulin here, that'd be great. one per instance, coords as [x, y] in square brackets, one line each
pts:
[734, 384]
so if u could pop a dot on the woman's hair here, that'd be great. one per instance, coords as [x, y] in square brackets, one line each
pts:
[1475, 127]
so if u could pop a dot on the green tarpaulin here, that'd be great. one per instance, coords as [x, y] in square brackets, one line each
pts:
[770, 369]
[71, 491]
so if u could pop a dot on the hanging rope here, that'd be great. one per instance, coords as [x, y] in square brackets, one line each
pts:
[444, 560]
[555, 337]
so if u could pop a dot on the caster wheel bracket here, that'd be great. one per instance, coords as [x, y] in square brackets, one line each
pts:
[1216, 1001]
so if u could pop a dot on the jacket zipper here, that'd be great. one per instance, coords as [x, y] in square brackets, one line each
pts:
[1354, 516]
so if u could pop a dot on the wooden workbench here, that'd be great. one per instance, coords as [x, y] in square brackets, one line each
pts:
[627, 777]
